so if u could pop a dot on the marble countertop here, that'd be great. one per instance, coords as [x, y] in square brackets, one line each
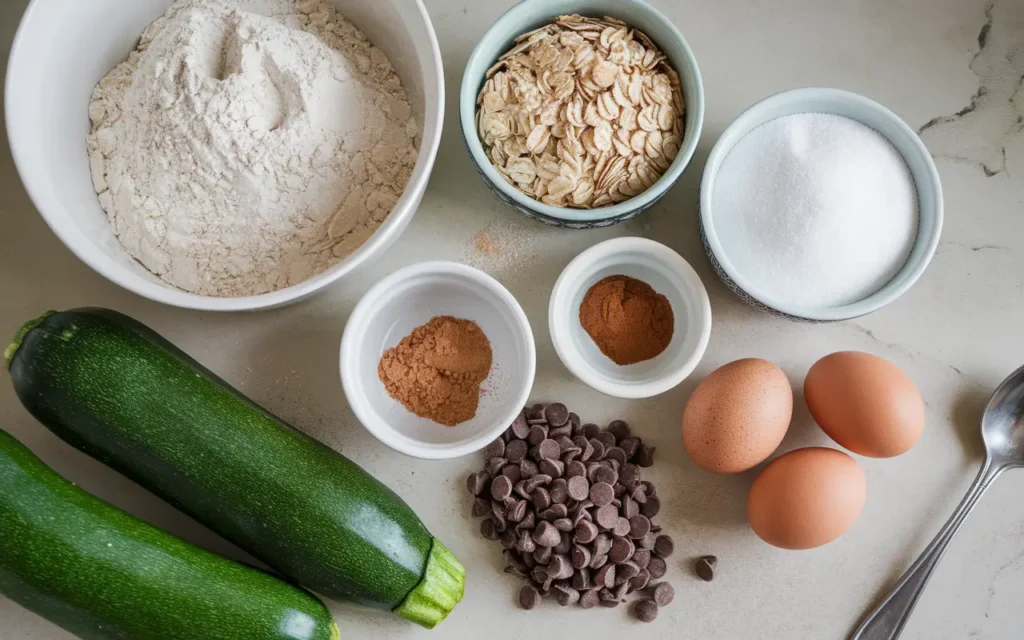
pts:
[951, 68]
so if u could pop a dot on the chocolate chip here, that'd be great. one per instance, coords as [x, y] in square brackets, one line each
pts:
[515, 451]
[590, 430]
[560, 432]
[643, 610]
[605, 576]
[619, 429]
[581, 579]
[589, 599]
[663, 593]
[641, 580]
[705, 568]
[538, 434]
[494, 466]
[607, 439]
[559, 567]
[525, 542]
[519, 427]
[542, 554]
[546, 535]
[621, 588]
[577, 469]
[498, 516]
[639, 494]
[574, 419]
[656, 567]
[528, 522]
[664, 546]
[481, 507]
[567, 596]
[564, 545]
[598, 561]
[477, 482]
[598, 449]
[606, 475]
[607, 516]
[496, 449]
[529, 597]
[563, 524]
[647, 542]
[517, 511]
[606, 598]
[649, 488]
[601, 494]
[622, 550]
[528, 468]
[617, 455]
[622, 527]
[642, 557]
[581, 556]
[556, 414]
[578, 488]
[627, 571]
[487, 530]
[587, 450]
[629, 476]
[602, 545]
[639, 526]
[554, 512]
[508, 539]
[537, 480]
[651, 506]
[629, 507]
[629, 446]
[501, 488]
[558, 491]
[553, 468]
[549, 449]
[512, 471]
[644, 456]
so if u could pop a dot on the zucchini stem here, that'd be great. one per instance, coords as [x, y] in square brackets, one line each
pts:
[19, 337]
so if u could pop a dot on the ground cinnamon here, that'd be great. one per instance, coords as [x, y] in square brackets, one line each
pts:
[436, 371]
[628, 320]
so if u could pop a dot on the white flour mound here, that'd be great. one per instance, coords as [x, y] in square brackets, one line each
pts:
[247, 145]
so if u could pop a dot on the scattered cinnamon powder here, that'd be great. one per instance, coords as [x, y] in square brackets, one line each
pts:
[436, 371]
[628, 320]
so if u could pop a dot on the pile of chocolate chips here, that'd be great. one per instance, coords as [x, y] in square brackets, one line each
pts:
[566, 502]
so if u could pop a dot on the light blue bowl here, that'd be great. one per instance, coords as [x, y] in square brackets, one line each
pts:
[531, 14]
[865, 111]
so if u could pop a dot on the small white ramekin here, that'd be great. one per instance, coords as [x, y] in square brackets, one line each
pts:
[409, 298]
[855, 107]
[668, 274]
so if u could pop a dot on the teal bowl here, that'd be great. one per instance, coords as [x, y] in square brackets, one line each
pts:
[531, 14]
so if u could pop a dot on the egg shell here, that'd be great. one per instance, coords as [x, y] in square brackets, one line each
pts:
[806, 498]
[865, 403]
[737, 416]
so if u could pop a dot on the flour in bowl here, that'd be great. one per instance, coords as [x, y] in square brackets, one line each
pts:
[247, 145]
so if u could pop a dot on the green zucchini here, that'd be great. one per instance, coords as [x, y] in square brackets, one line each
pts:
[103, 574]
[118, 391]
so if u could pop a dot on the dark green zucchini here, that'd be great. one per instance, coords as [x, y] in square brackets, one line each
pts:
[115, 389]
[102, 574]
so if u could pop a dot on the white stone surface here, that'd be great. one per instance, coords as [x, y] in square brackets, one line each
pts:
[957, 333]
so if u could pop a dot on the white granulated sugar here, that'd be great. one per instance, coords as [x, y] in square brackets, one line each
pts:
[247, 145]
[815, 210]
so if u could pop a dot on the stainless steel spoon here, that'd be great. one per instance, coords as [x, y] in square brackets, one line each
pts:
[1002, 429]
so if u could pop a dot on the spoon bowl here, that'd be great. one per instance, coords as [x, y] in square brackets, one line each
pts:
[1002, 430]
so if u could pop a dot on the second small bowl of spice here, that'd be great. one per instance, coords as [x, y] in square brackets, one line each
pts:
[437, 359]
[630, 317]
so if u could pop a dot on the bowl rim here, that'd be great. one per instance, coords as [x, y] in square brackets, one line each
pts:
[348, 360]
[578, 366]
[467, 120]
[107, 267]
[907, 276]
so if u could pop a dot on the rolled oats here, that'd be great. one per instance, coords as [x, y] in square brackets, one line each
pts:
[582, 113]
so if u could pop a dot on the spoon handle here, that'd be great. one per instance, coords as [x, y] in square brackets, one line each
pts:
[886, 622]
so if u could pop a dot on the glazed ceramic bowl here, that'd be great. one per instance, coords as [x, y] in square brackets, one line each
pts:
[668, 274]
[72, 45]
[409, 298]
[863, 110]
[531, 14]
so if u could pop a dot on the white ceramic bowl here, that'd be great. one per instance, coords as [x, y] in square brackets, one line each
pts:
[408, 299]
[531, 14]
[63, 48]
[870, 113]
[670, 275]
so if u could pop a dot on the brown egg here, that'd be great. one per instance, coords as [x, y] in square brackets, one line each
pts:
[806, 498]
[737, 416]
[865, 403]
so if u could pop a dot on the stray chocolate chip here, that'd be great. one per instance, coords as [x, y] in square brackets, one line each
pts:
[656, 567]
[643, 610]
[663, 594]
[705, 568]
[664, 546]
[529, 597]
[556, 414]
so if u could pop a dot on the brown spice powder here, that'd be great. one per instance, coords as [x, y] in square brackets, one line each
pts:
[436, 371]
[628, 320]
